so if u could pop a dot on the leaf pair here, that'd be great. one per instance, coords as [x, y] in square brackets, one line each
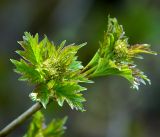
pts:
[57, 74]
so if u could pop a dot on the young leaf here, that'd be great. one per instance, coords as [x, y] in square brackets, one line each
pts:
[54, 71]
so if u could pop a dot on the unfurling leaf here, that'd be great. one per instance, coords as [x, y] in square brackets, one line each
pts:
[115, 56]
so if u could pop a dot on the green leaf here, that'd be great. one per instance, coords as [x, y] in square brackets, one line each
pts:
[38, 128]
[55, 128]
[69, 92]
[31, 48]
[36, 125]
[27, 71]
[41, 94]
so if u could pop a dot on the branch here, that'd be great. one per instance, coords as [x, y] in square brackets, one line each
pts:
[18, 121]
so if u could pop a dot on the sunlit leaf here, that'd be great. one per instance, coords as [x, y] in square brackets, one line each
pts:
[52, 70]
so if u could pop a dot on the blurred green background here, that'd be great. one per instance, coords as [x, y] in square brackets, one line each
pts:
[113, 109]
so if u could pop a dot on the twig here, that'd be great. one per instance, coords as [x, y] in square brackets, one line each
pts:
[18, 121]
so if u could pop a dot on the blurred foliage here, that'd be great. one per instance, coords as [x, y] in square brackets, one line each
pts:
[38, 128]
